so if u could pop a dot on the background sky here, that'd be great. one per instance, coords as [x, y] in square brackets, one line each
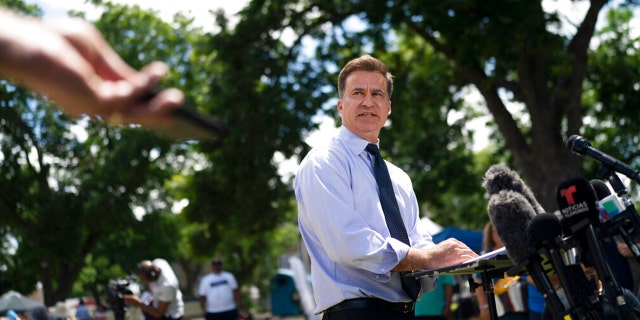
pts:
[199, 9]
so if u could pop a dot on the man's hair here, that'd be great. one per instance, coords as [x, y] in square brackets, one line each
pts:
[364, 63]
[147, 269]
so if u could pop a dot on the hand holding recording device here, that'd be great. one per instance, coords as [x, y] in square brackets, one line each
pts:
[188, 124]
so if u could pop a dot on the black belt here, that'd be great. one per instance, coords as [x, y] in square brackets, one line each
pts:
[374, 304]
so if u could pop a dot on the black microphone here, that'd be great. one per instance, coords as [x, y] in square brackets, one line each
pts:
[581, 293]
[511, 213]
[581, 146]
[578, 205]
[617, 217]
[600, 187]
[499, 177]
[577, 202]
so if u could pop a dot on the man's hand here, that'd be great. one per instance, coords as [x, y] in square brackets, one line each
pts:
[132, 300]
[446, 253]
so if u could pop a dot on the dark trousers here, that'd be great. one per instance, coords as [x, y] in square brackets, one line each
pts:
[515, 316]
[368, 309]
[227, 315]
[366, 314]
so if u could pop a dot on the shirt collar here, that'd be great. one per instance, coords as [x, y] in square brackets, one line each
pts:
[355, 143]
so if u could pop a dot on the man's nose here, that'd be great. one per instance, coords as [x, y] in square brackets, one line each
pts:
[367, 101]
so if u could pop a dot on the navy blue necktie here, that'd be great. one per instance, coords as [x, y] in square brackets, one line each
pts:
[392, 214]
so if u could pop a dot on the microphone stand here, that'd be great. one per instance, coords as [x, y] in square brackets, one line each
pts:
[487, 287]
[607, 173]
[578, 291]
[535, 270]
[488, 273]
[489, 267]
[612, 288]
[629, 219]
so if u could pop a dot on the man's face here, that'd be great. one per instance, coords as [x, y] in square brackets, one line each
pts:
[365, 105]
[143, 278]
[216, 267]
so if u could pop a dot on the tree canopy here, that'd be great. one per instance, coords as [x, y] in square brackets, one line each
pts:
[69, 202]
[511, 52]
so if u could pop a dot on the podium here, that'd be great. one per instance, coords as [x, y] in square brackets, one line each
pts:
[490, 265]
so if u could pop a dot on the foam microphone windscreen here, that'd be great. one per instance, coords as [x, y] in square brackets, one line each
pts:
[510, 213]
[499, 177]
[577, 201]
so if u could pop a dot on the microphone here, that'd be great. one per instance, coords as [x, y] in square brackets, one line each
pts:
[578, 205]
[609, 204]
[581, 146]
[577, 202]
[511, 213]
[616, 217]
[545, 231]
[499, 177]
[600, 187]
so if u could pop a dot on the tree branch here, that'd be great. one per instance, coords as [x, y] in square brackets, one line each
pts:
[513, 136]
[577, 49]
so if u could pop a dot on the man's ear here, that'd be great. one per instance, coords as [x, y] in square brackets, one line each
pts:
[340, 106]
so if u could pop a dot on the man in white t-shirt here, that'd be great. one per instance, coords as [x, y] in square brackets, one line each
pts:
[219, 295]
[164, 286]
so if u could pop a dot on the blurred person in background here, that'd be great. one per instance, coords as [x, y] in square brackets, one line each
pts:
[162, 281]
[82, 312]
[219, 295]
[147, 298]
[510, 292]
[436, 305]
[100, 313]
